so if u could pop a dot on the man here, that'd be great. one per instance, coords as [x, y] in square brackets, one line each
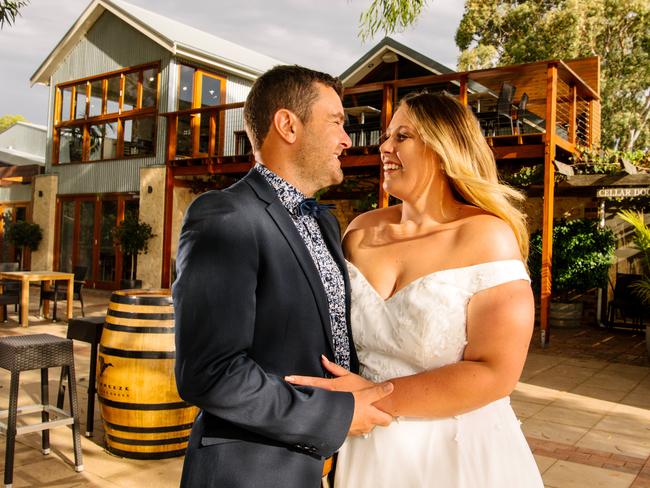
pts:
[262, 292]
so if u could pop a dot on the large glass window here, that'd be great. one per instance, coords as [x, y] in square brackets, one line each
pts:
[113, 116]
[113, 95]
[96, 98]
[66, 103]
[80, 101]
[139, 136]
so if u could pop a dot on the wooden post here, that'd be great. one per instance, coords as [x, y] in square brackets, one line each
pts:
[549, 187]
[573, 110]
[172, 122]
[386, 116]
[462, 96]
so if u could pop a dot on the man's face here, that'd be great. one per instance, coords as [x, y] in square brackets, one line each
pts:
[322, 141]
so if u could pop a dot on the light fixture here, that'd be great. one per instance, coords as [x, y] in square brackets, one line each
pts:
[149, 189]
[184, 88]
[389, 57]
[151, 79]
[40, 193]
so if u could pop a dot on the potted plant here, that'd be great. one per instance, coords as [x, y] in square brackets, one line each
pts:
[641, 240]
[23, 235]
[132, 236]
[582, 255]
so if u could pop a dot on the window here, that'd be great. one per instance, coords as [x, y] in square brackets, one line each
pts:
[107, 117]
[199, 89]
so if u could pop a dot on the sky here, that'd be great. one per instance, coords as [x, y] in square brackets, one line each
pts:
[320, 34]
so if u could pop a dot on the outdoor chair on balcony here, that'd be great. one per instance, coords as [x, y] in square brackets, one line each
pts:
[57, 293]
[521, 114]
[504, 123]
[626, 304]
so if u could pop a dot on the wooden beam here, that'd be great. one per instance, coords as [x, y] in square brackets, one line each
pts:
[549, 186]
[462, 96]
[167, 228]
[361, 160]
[20, 171]
[518, 152]
[386, 116]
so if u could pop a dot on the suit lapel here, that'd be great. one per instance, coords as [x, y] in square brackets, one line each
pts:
[288, 229]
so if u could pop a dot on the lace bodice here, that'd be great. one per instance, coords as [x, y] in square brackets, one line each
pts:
[423, 325]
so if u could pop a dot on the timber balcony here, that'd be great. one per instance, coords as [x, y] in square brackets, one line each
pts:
[522, 110]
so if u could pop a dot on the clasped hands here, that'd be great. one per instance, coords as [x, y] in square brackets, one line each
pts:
[366, 393]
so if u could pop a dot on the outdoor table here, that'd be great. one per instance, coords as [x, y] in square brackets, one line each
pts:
[25, 277]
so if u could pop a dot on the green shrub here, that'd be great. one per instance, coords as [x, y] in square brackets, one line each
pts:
[582, 255]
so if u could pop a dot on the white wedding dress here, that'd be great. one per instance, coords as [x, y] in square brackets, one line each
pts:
[419, 328]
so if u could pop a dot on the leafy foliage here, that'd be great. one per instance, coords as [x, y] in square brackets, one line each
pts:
[7, 121]
[24, 234]
[641, 240]
[9, 10]
[132, 235]
[607, 160]
[504, 32]
[133, 238]
[389, 16]
[582, 255]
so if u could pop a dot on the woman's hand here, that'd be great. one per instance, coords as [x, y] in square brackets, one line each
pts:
[344, 381]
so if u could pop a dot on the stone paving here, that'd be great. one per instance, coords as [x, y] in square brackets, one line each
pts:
[584, 403]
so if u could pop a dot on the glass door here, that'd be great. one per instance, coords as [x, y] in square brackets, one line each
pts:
[85, 236]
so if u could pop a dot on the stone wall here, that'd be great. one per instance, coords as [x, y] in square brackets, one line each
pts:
[44, 214]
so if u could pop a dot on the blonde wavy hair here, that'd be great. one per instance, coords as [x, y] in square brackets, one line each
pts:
[452, 132]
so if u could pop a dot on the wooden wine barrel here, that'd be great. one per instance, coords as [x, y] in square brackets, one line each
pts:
[144, 418]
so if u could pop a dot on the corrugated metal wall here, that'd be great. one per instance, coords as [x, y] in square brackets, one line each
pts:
[236, 91]
[110, 45]
[16, 193]
[24, 138]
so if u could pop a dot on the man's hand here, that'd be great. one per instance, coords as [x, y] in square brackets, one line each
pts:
[366, 416]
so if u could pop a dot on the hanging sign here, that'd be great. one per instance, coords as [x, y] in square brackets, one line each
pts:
[623, 192]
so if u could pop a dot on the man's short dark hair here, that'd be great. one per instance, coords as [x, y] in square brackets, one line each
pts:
[283, 87]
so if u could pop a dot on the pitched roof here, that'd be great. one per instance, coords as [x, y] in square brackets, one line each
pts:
[372, 58]
[176, 37]
[23, 144]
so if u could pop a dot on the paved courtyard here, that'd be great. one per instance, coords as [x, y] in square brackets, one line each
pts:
[584, 404]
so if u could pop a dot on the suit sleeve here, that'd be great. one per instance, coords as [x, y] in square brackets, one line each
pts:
[214, 301]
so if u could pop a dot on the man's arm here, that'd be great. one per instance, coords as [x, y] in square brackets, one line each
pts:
[214, 300]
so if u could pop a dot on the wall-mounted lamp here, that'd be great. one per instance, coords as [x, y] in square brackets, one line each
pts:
[149, 189]
[40, 193]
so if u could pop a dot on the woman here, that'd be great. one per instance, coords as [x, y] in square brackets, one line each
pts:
[441, 307]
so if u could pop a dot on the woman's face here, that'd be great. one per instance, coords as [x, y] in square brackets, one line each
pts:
[407, 163]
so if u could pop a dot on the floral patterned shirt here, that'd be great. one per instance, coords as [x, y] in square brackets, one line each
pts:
[329, 272]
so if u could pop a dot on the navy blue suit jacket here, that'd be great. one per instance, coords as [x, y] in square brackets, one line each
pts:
[250, 308]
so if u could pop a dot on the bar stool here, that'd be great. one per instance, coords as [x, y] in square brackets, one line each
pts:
[87, 329]
[38, 351]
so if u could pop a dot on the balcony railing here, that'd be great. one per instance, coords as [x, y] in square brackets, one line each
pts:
[512, 105]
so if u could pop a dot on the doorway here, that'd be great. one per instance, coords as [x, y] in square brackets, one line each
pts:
[85, 236]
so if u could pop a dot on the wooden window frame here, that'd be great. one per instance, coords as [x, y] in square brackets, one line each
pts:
[195, 123]
[119, 117]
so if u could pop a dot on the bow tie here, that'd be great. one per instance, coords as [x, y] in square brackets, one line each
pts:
[311, 208]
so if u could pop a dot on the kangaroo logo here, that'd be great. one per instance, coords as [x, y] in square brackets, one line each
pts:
[103, 365]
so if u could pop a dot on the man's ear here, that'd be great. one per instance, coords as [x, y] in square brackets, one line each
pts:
[286, 124]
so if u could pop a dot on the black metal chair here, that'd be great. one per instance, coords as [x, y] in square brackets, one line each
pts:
[521, 113]
[626, 303]
[10, 290]
[504, 122]
[57, 293]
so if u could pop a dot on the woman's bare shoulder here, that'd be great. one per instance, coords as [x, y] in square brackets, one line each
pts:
[488, 238]
[374, 218]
